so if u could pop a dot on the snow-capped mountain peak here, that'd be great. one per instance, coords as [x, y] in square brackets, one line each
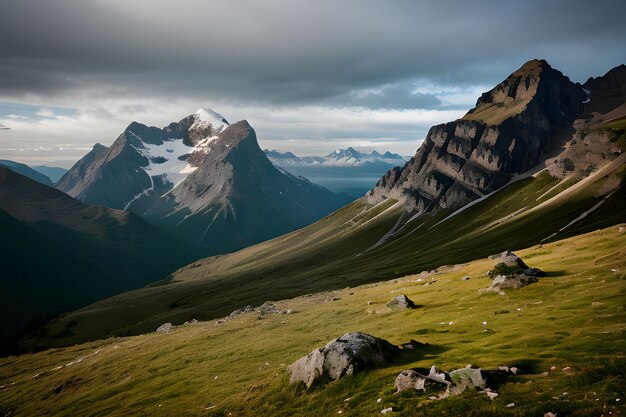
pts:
[204, 117]
[338, 158]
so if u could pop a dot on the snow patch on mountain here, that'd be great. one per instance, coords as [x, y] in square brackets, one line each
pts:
[205, 117]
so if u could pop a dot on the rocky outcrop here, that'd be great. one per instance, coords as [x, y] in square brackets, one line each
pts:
[512, 273]
[346, 355]
[509, 131]
[453, 383]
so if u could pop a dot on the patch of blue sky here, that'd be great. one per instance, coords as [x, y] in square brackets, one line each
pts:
[9, 110]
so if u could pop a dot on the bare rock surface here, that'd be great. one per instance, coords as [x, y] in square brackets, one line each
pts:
[346, 355]
[401, 302]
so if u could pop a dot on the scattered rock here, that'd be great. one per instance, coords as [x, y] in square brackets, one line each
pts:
[164, 328]
[465, 378]
[401, 302]
[411, 379]
[346, 355]
[386, 410]
[268, 308]
[568, 370]
[466, 278]
[512, 273]
[491, 394]
[549, 414]
[439, 376]
[241, 312]
[500, 255]
[265, 309]
[511, 405]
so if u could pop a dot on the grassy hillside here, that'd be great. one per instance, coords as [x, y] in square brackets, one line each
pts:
[58, 254]
[341, 250]
[575, 317]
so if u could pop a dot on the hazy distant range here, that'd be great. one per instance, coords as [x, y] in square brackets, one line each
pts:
[344, 170]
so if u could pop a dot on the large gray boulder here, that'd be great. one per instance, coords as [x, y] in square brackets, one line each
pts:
[346, 355]
[401, 302]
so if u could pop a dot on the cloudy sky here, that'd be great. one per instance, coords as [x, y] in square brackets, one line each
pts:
[309, 76]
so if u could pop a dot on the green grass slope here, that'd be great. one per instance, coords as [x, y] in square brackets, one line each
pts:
[575, 317]
[341, 250]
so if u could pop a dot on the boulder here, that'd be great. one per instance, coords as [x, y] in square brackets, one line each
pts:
[465, 378]
[268, 308]
[401, 302]
[346, 355]
[510, 282]
[411, 379]
[164, 328]
[512, 273]
[241, 312]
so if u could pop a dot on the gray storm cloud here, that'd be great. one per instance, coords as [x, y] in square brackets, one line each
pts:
[324, 52]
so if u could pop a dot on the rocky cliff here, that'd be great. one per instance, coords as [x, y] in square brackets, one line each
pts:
[510, 130]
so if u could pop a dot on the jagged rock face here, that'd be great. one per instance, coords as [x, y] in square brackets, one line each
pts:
[203, 179]
[507, 133]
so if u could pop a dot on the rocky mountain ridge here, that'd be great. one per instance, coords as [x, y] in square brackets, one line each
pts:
[512, 129]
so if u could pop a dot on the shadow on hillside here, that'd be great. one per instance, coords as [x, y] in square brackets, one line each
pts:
[419, 351]
[552, 274]
[528, 366]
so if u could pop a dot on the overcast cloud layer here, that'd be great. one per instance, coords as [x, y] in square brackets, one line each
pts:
[309, 77]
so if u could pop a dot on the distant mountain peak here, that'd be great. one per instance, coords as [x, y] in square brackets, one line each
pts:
[535, 81]
[348, 157]
[201, 178]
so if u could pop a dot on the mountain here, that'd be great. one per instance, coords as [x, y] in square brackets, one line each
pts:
[54, 173]
[201, 178]
[26, 171]
[511, 130]
[349, 157]
[561, 172]
[59, 254]
[344, 170]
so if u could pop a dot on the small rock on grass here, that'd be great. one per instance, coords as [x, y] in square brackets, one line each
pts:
[164, 328]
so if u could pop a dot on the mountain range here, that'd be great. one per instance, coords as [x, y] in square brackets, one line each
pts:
[349, 157]
[538, 159]
[201, 178]
[344, 170]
